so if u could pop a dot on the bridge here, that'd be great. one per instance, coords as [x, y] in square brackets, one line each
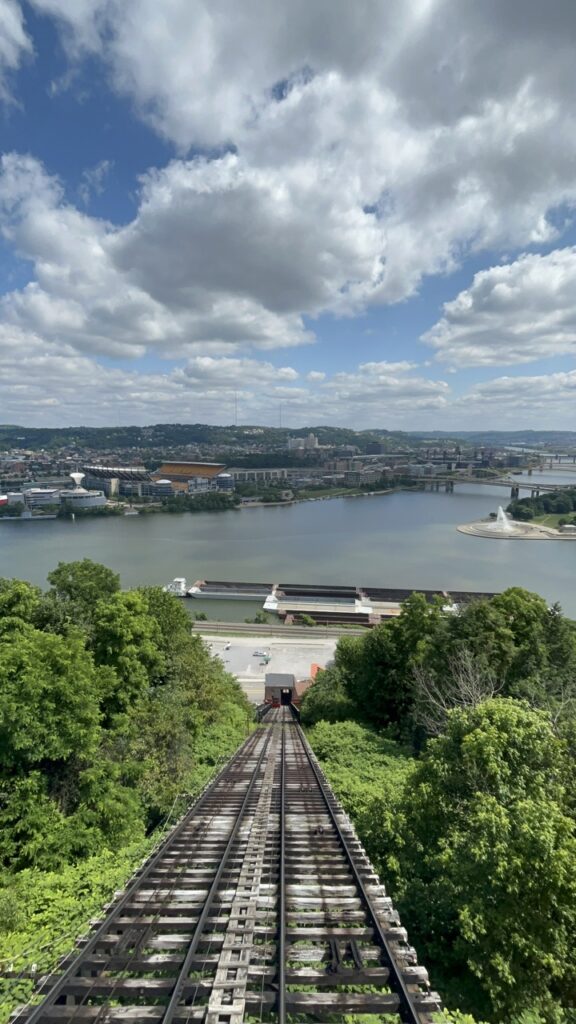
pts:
[516, 484]
[260, 904]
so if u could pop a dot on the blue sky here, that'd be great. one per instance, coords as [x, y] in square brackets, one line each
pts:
[385, 239]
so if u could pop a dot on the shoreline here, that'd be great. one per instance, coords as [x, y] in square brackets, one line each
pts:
[520, 531]
[322, 497]
[147, 510]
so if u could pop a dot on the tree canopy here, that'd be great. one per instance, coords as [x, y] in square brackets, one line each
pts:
[527, 648]
[109, 708]
[487, 859]
[476, 831]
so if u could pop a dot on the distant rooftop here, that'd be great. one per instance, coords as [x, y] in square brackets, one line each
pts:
[117, 472]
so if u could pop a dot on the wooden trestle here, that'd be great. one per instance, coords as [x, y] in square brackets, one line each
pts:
[261, 903]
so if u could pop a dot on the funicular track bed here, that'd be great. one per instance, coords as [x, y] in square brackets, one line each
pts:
[261, 904]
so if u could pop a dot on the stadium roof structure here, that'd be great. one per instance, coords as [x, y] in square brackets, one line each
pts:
[180, 472]
[117, 472]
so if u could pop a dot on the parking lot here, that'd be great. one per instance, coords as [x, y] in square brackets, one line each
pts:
[249, 658]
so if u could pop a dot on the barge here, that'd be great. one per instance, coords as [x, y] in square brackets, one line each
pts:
[213, 590]
[325, 604]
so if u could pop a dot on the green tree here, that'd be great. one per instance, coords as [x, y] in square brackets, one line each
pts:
[327, 699]
[49, 700]
[80, 585]
[18, 599]
[487, 861]
[127, 640]
[169, 614]
[378, 669]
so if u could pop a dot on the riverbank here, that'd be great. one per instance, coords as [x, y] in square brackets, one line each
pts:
[323, 497]
[517, 531]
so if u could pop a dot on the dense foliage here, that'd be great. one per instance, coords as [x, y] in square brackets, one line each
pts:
[111, 716]
[560, 502]
[407, 673]
[212, 501]
[109, 710]
[476, 833]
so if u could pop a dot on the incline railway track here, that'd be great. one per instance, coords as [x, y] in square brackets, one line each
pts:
[260, 905]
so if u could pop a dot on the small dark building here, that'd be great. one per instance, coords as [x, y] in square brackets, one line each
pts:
[279, 688]
[284, 688]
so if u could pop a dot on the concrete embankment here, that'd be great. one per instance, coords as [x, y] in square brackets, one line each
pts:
[518, 531]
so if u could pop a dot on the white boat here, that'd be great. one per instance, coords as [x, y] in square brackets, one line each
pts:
[214, 591]
[177, 587]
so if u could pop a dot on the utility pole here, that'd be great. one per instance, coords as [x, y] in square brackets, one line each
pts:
[235, 408]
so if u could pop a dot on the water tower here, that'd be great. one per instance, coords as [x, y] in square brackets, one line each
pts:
[77, 478]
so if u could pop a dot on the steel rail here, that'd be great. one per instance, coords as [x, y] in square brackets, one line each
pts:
[282, 889]
[172, 1006]
[140, 875]
[407, 1010]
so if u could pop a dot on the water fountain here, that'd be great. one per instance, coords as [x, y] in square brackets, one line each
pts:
[501, 524]
[502, 527]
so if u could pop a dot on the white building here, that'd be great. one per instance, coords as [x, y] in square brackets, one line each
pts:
[81, 498]
[78, 497]
[306, 443]
[37, 497]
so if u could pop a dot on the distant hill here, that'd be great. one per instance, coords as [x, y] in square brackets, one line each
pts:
[252, 437]
[161, 435]
[499, 437]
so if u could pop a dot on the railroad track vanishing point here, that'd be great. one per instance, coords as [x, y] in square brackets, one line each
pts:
[260, 905]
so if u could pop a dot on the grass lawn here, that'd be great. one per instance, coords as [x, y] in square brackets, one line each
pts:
[551, 518]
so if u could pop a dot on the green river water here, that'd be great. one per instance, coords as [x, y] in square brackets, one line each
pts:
[396, 540]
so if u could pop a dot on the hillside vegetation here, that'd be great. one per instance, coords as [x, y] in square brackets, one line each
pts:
[450, 740]
[112, 715]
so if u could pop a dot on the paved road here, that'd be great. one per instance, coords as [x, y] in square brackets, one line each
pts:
[286, 655]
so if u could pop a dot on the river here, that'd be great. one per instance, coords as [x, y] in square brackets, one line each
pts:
[407, 539]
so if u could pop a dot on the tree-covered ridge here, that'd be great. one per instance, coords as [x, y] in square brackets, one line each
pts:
[161, 435]
[475, 833]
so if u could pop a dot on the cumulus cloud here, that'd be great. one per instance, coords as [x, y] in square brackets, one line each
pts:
[150, 285]
[51, 383]
[387, 385]
[203, 71]
[340, 153]
[553, 392]
[401, 135]
[14, 42]
[513, 313]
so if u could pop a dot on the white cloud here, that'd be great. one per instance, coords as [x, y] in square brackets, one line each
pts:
[387, 386]
[51, 384]
[43, 383]
[555, 393]
[169, 281]
[357, 148]
[232, 373]
[513, 313]
[14, 42]
[400, 135]
[93, 179]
